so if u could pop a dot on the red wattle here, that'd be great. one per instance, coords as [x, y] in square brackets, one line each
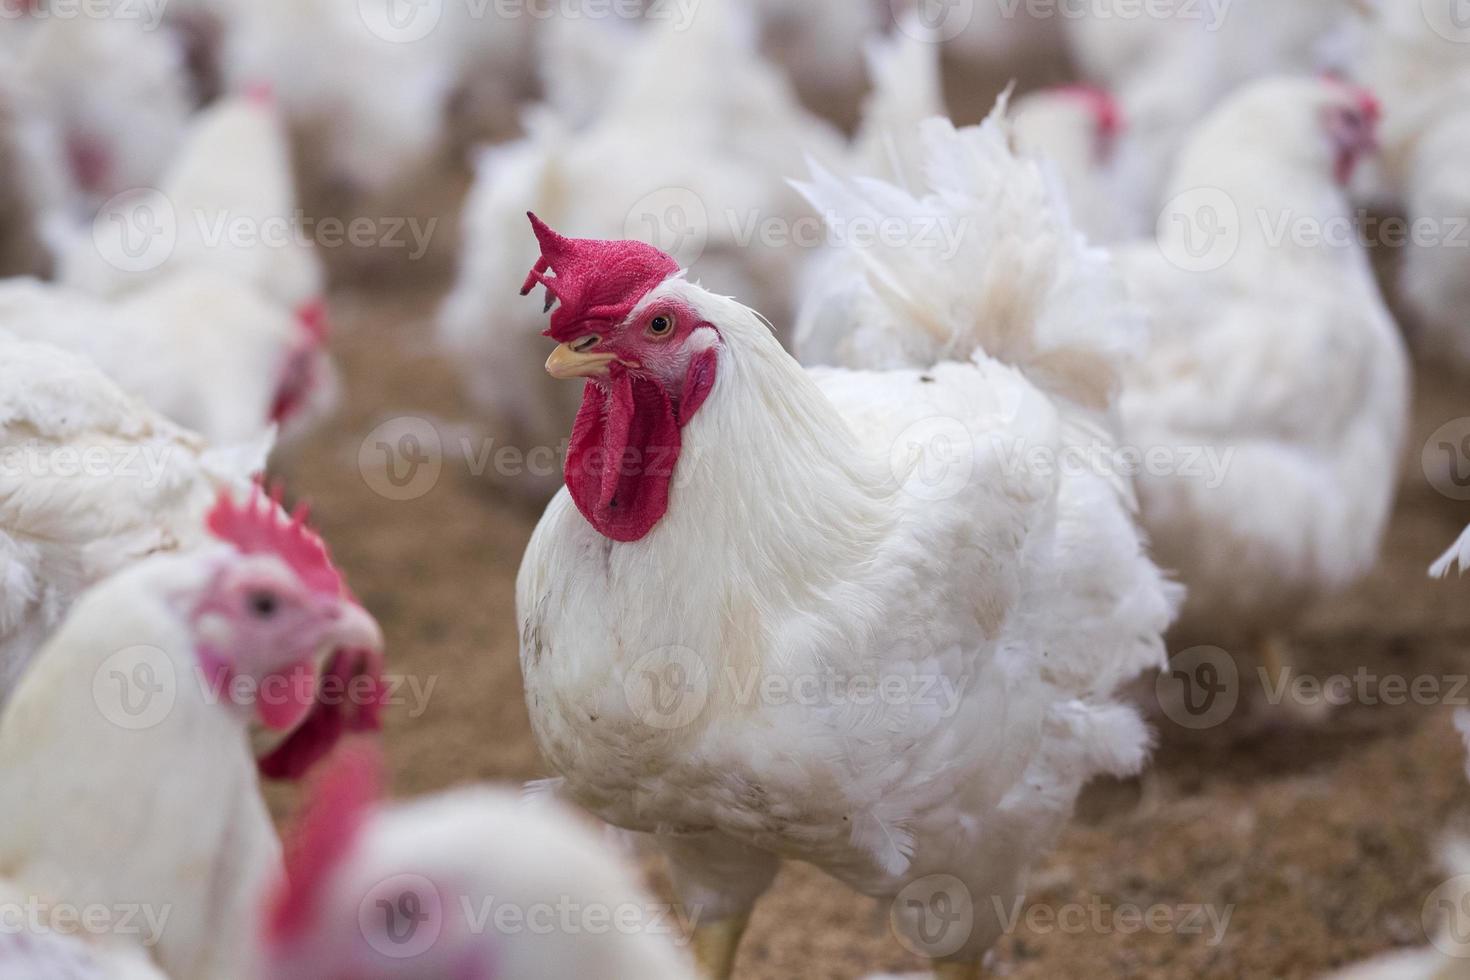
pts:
[621, 459]
[286, 697]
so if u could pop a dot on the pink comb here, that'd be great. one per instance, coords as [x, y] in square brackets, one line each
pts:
[1104, 107]
[596, 282]
[257, 528]
[1368, 103]
[262, 93]
[340, 801]
[313, 316]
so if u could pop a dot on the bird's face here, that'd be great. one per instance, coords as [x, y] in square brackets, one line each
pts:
[649, 361]
[265, 639]
[301, 372]
[1103, 114]
[1349, 116]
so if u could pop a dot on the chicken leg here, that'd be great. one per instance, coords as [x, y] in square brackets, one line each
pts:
[1277, 671]
[715, 946]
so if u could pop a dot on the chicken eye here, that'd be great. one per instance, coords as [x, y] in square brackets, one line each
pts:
[263, 604]
[661, 325]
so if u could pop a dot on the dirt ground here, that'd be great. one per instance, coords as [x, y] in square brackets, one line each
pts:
[1318, 841]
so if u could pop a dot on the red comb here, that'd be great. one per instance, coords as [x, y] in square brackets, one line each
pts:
[1104, 107]
[313, 316]
[1368, 103]
[259, 528]
[337, 807]
[596, 282]
[261, 93]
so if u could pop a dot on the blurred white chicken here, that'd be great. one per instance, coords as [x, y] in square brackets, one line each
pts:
[214, 312]
[735, 525]
[717, 196]
[130, 738]
[229, 202]
[1168, 72]
[1277, 383]
[1415, 57]
[366, 88]
[92, 482]
[458, 863]
[1078, 132]
[113, 99]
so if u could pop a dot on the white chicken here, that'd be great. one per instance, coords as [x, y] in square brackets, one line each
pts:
[747, 552]
[496, 887]
[1167, 72]
[717, 195]
[231, 209]
[92, 482]
[1276, 388]
[205, 351]
[114, 98]
[1415, 57]
[126, 753]
[1080, 133]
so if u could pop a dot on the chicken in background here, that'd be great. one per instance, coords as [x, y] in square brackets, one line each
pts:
[457, 861]
[136, 738]
[713, 197]
[907, 88]
[205, 299]
[778, 523]
[1277, 380]
[1080, 134]
[110, 100]
[1169, 72]
[63, 526]
[820, 44]
[1416, 58]
[368, 94]
[32, 191]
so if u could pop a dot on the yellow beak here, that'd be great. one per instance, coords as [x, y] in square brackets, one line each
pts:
[565, 363]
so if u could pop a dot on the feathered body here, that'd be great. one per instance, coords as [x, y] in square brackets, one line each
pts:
[462, 857]
[1277, 382]
[138, 777]
[94, 483]
[710, 198]
[809, 538]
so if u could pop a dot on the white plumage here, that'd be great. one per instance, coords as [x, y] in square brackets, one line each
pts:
[714, 193]
[1277, 384]
[811, 534]
[512, 889]
[93, 482]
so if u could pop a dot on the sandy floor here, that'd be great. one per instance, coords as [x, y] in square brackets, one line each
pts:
[1318, 842]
